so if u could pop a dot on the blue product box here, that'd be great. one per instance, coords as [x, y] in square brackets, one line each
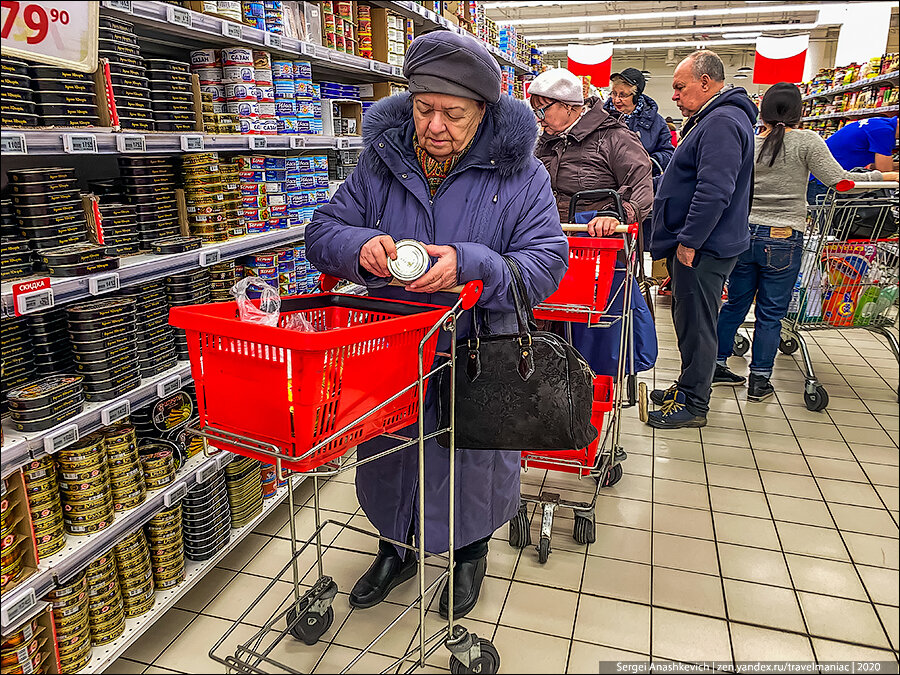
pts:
[302, 69]
[310, 197]
[252, 176]
[292, 163]
[292, 182]
[275, 175]
[278, 223]
[285, 256]
[307, 181]
[286, 124]
[322, 179]
[285, 107]
[257, 226]
[306, 164]
[317, 90]
[278, 210]
[320, 162]
[321, 196]
[274, 163]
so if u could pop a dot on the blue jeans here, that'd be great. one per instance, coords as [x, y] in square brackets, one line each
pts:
[767, 271]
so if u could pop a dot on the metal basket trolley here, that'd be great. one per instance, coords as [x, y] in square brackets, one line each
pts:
[848, 275]
[584, 296]
[321, 401]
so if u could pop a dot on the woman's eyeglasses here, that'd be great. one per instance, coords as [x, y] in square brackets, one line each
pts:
[540, 112]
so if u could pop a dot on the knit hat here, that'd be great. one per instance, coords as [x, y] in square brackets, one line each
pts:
[558, 84]
[444, 62]
[633, 77]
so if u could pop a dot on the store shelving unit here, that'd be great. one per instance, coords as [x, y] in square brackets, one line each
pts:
[863, 112]
[853, 86]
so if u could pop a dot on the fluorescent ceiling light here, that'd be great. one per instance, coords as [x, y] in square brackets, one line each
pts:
[729, 36]
[744, 31]
[692, 44]
[745, 69]
[739, 76]
[611, 17]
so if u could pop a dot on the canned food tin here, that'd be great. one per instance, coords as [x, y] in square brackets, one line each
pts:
[412, 261]
[201, 58]
[237, 56]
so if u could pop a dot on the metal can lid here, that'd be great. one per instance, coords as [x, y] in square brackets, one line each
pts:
[412, 260]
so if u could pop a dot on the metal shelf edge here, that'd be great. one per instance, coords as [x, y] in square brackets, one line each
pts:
[859, 84]
[852, 113]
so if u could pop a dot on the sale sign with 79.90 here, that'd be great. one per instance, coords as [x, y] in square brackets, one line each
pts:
[60, 34]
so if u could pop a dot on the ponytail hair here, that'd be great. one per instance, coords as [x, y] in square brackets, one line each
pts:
[781, 107]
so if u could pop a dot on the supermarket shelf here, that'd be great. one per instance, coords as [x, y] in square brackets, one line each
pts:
[431, 20]
[24, 447]
[159, 21]
[853, 86]
[864, 112]
[103, 657]
[81, 551]
[52, 141]
[141, 268]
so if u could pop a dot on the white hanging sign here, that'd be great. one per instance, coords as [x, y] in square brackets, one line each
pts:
[62, 34]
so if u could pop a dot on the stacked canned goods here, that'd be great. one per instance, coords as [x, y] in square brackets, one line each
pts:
[188, 288]
[126, 475]
[254, 14]
[224, 276]
[120, 228]
[262, 183]
[106, 609]
[306, 185]
[15, 259]
[135, 574]
[18, 355]
[205, 196]
[206, 64]
[274, 16]
[45, 403]
[42, 489]
[16, 96]
[158, 463]
[156, 353]
[12, 544]
[73, 630]
[105, 329]
[149, 182]
[172, 94]
[364, 31]
[206, 519]
[166, 548]
[298, 101]
[53, 349]
[244, 485]
[65, 98]
[84, 486]
[24, 650]
[130, 84]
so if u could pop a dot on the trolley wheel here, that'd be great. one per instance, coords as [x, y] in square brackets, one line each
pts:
[789, 346]
[613, 476]
[643, 401]
[816, 401]
[543, 549]
[741, 345]
[519, 531]
[584, 532]
[488, 663]
[311, 626]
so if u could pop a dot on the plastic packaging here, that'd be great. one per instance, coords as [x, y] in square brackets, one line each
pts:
[269, 308]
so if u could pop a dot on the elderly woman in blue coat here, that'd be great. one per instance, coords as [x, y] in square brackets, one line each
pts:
[640, 113]
[450, 164]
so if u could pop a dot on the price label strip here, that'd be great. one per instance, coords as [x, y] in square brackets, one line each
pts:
[35, 301]
[232, 30]
[103, 283]
[297, 142]
[12, 612]
[175, 495]
[169, 386]
[179, 16]
[272, 40]
[80, 144]
[13, 144]
[210, 257]
[61, 439]
[207, 472]
[120, 5]
[115, 412]
[191, 142]
[131, 143]
[257, 142]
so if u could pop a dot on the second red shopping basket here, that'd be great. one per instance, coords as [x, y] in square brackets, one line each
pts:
[294, 389]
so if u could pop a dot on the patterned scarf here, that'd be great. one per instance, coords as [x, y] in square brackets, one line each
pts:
[625, 118]
[437, 170]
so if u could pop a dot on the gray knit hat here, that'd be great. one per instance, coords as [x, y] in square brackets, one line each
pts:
[558, 84]
[444, 62]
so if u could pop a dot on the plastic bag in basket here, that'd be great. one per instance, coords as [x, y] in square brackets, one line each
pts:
[269, 308]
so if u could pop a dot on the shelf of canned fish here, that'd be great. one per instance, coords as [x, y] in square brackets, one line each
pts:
[94, 538]
[106, 141]
[140, 268]
[20, 447]
[203, 28]
[105, 655]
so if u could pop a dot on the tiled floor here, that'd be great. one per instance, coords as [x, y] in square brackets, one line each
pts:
[770, 534]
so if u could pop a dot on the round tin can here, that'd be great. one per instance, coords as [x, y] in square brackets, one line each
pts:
[237, 56]
[412, 261]
[201, 58]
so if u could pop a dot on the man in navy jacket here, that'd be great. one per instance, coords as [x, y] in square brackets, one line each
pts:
[700, 224]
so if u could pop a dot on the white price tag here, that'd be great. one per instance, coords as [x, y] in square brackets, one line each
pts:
[210, 257]
[103, 283]
[191, 142]
[61, 439]
[175, 495]
[131, 143]
[80, 144]
[35, 301]
[297, 142]
[396, 71]
[373, 66]
[341, 143]
[178, 15]
[12, 612]
[307, 49]
[115, 412]
[13, 144]
[207, 472]
[272, 40]
[232, 30]
[120, 5]
[169, 386]
[224, 459]
[257, 142]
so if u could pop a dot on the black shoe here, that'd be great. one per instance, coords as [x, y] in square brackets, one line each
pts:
[724, 377]
[467, 578]
[385, 573]
[659, 396]
[759, 388]
[674, 415]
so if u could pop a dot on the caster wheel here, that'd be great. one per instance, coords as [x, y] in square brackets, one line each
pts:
[488, 662]
[584, 532]
[818, 400]
[741, 345]
[643, 401]
[310, 627]
[788, 346]
[543, 550]
[519, 531]
[613, 476]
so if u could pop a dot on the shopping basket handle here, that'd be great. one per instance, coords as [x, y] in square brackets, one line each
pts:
[469, 293]
[848, 185]
[620, 229]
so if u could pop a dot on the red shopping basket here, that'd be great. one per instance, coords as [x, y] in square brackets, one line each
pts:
[294, 389]
[584, 460]
[584, 290]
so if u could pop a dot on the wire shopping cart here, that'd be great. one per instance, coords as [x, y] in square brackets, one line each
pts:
[848, 274]
[583, 296]
[321, 401]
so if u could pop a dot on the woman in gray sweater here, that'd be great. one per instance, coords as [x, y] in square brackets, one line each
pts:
[785, 156]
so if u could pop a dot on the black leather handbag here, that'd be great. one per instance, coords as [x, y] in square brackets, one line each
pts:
[527, 391]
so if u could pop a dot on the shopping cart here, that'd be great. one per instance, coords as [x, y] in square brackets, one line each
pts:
[317, 401]
[848, 274]
[584, 296]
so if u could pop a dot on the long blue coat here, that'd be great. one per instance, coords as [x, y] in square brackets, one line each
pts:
[651, 128]
[496, 201]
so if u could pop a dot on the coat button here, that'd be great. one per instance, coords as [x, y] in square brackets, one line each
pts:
[493, 162]
[381, 145]
[403, 175]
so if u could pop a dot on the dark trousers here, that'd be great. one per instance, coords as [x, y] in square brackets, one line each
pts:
[696, 298]
[474, 551]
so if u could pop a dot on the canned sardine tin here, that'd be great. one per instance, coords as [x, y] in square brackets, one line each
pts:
[412, 261]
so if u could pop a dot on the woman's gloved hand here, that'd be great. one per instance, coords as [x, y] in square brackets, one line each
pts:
[602, 226]
[374, 254]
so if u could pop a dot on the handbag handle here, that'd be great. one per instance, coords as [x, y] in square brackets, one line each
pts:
[524, 311]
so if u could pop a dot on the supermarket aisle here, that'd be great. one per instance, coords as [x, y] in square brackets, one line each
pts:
[770, 534]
